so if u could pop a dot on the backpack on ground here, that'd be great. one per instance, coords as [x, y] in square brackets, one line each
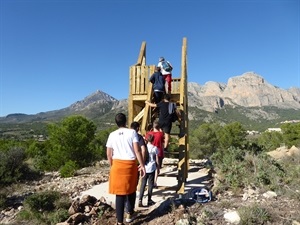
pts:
[201, 194]
[166, 66]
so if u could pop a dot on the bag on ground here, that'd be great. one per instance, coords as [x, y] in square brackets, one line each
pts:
[201, 195]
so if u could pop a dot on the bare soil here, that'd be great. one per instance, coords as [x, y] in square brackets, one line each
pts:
[280, 210]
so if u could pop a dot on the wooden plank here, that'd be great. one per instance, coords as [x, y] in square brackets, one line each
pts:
[133, 80]
[138, 80]
[142, 55]
[183, 140]
[176, 85]
[139, 116]
[146, 113]
[139, 97]
[143, 72]
[130, 102]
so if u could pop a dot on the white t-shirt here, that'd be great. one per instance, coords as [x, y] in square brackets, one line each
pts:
[153, 152]
[121, 141]
[163, 72]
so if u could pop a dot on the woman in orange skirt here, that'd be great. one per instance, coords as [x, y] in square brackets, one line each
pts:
[122, 152]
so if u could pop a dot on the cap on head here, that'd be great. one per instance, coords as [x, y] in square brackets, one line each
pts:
[161, 59]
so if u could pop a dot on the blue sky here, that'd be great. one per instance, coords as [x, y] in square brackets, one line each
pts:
[56, 52]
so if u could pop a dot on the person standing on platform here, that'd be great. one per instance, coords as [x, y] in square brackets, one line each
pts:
[158, 82]
[166, 70]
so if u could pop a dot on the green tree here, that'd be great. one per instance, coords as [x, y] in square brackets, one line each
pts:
[100, 140]
[71, 140]
[270, 140]
[291, 134]
[232, 135]
[204, 141]
[38, 152]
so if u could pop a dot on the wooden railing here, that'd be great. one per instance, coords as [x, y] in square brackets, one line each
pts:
[139, 82]
[139, 79]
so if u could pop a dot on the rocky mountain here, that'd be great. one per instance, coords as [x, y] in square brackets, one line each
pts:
[247, 90]
[248, 98]
[96, 98]
[96, 104]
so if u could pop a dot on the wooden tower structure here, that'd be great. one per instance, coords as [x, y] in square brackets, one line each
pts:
[140, 90]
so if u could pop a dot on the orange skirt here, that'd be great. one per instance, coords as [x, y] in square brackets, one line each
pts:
[123, 177]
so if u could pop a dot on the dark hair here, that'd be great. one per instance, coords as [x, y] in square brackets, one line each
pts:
[120, 120]
[167, 97]
[135, 125]
[156, 125]
[150, 138]
[157, 68]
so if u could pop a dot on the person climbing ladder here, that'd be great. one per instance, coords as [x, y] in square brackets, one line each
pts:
[166, 70]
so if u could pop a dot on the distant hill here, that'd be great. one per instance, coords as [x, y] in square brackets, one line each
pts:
[247, 98]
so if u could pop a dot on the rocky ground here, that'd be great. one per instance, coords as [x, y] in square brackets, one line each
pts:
[221, 210]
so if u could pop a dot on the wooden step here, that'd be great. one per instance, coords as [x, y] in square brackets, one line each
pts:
[139, 116]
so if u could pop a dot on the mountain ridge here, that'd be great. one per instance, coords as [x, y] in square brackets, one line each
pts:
[248, 90]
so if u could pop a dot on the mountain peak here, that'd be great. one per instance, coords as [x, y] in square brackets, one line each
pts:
[92, 99]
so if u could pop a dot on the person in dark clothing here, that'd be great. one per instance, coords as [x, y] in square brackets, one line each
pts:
[136, 126]
[165, 118]
[158, 82]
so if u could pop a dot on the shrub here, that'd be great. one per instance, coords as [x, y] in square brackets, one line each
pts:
[43, 201]
[253, 215]
[231, 166]
[69, 169]
[48, 207]
[2, 201]
[269, 172]
[240, 168]
[58, 216]
[291, 180]
[11, 165]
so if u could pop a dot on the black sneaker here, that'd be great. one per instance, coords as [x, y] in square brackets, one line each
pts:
[151, 203]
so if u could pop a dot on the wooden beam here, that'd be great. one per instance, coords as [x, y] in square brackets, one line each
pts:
[139, 116]
[142, 56]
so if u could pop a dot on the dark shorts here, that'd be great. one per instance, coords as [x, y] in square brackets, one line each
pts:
[166, 127]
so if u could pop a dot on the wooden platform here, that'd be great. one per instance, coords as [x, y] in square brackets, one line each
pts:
[140, 90]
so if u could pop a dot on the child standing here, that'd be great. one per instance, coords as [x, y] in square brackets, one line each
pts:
[150, 166]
